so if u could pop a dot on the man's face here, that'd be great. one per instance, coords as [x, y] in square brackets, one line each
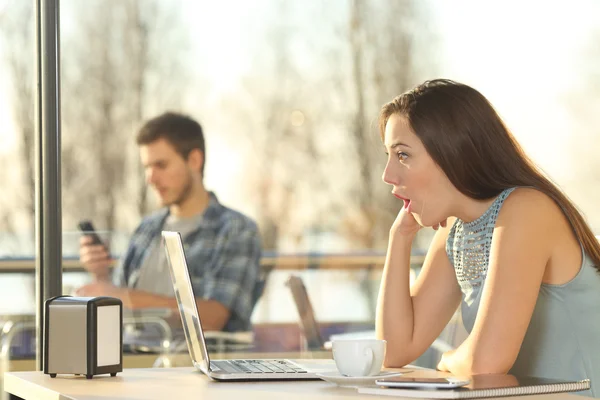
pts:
[167, 172]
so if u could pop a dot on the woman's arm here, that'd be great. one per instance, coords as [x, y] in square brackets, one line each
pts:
[410, 319]
[521, 248]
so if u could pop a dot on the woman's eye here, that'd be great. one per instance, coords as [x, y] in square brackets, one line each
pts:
[402, 156]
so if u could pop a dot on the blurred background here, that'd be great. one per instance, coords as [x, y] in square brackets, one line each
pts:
[288, 94]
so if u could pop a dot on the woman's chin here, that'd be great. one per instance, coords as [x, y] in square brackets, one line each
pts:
[419, 220]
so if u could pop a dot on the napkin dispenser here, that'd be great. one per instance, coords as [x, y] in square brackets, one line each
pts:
[83, 336]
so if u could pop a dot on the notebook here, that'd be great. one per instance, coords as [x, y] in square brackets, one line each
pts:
[487, 386]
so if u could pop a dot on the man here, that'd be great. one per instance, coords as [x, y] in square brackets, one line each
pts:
[222, 246]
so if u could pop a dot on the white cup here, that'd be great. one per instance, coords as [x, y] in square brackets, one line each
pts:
[359, 357]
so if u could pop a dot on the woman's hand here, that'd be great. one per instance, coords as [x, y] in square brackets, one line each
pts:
[442, 365]
[405, 224]
[439, 225]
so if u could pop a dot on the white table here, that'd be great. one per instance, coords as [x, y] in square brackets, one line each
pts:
[187, 383]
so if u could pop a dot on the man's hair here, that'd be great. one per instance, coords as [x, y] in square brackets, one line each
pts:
[181, 131]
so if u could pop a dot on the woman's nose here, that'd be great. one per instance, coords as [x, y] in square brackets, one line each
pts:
[388, 175]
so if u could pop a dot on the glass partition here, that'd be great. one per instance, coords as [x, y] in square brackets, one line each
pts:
[287, 94]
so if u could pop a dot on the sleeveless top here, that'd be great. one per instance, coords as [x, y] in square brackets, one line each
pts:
[563, 337]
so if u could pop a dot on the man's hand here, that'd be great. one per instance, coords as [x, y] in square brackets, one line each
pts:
[105, 288]
[94, 258]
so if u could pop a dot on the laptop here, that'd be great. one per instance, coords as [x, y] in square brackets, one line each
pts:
[221, 370]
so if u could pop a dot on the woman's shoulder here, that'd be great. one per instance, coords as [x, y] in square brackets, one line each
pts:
[527, 199]
[526, 206]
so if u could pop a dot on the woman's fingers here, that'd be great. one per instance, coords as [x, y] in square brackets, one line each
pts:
[440, 225]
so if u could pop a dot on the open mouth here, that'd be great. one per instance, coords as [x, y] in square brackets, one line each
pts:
[406, 201]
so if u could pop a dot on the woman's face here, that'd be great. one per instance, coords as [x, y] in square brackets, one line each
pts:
[415, 178]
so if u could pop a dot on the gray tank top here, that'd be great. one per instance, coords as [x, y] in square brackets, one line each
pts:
[563, 337]
[154, 275]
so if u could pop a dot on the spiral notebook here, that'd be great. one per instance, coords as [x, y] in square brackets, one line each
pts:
[487, 386]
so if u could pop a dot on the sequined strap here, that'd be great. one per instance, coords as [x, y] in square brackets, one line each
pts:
[469, 244]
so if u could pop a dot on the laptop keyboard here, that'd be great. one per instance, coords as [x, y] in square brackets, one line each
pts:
[258, 366]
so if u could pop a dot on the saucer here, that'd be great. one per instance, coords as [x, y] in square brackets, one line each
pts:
[342, 380]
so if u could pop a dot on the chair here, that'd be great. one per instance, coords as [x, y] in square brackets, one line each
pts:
[310, 328]
[13, 331]
[143, 321]
[308, 322]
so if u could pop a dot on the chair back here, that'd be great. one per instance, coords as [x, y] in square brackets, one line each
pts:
[308, 322]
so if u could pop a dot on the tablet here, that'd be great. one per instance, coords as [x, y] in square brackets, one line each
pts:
[424, 383]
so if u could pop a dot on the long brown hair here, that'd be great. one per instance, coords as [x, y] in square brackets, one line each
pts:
[456, 122]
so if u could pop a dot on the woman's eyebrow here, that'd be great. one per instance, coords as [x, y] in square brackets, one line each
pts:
[397, 144]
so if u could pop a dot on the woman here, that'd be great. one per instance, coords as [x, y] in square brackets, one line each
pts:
[510, 248]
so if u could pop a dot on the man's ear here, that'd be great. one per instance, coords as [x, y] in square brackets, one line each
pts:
[196, 159]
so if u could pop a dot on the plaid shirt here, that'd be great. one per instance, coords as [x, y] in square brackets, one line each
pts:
[223, 257]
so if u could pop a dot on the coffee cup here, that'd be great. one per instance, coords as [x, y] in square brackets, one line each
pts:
[359, 357]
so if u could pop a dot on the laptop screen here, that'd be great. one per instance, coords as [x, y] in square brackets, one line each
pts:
[186, 300]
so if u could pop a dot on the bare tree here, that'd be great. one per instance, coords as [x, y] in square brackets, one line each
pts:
[16, 30]
[282, 130]
[137, 46]
[359, 128]
[155, 43]
[327, 170]
[92, 94]
[382, 39]
[115, 64]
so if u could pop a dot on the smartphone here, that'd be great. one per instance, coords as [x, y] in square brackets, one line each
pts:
[87, 228]
[423, 383]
